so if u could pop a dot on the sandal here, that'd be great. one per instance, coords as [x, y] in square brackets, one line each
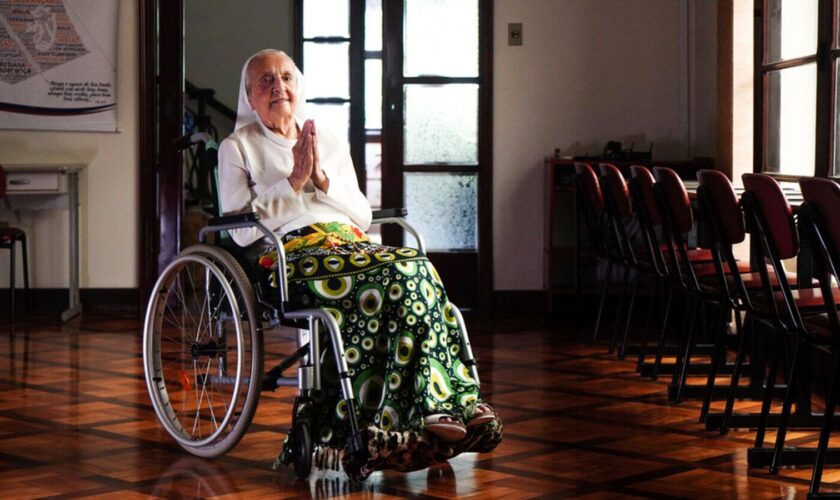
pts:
[486, 415]
[445, 430]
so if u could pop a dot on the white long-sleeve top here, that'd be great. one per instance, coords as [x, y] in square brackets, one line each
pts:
[254, 166]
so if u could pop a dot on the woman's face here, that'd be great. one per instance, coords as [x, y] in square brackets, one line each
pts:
[273, 89]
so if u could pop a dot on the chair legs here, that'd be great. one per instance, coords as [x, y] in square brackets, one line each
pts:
[660, 346]
[622, 350]
[684, 354]
[604, 292]
[646, 333]
[768, 394]
[798, 352]
[828, 421]
[26, 295]
[718, 356]
[13, 275]
[617, 321]
[12, 282]
[745, 331]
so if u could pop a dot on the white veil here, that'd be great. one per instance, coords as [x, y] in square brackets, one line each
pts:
[245, 114]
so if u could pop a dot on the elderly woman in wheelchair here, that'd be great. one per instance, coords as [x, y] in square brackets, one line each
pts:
[398, 388]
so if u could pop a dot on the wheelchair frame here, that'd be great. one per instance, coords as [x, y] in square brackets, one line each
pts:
[225, 277]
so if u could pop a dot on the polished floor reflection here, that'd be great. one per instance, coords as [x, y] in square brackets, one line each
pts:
[75, 420]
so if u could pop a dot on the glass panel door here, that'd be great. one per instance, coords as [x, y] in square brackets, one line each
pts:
[433, 138]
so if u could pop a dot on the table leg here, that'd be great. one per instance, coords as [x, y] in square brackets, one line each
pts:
[75, 307]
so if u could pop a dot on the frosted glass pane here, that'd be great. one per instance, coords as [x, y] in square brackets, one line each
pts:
[443, 208]
[791, 120]
[373, 169]
[373, 25]
[373, 93]
[327, 69]
[441, 124]
[332, 117]
[791, 28]
[326, 18]
[441, 37]
[373, 160]
[836, 31]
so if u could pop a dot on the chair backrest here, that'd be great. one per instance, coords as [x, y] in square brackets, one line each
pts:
[824, 196]
[818, 216]
[676, 200]
[649, 216]
[590, 185]
[619, 210]
[724, 206]
[644, 181]
[616, 189]
[725, 223]
[776, 212]
[770, 219]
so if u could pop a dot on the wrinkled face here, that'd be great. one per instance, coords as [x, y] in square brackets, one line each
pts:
[272, 87]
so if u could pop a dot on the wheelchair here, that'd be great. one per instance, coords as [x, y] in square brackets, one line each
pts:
[203, 339]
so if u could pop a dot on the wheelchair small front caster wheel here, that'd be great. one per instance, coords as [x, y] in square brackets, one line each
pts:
[302, 449]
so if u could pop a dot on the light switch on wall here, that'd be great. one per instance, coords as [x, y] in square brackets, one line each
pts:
[514, 33]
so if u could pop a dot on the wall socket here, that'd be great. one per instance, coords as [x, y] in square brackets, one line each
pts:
[514, 33]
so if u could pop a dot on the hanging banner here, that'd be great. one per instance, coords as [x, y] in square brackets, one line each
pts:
[58, 62]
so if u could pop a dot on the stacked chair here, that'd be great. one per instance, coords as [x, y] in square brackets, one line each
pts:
[693, 276]
[634, 259]
[590, 201]
[642, 228]
[818, 217]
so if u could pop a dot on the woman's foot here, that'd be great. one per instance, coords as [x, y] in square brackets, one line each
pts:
[445, 427]
[484, 414]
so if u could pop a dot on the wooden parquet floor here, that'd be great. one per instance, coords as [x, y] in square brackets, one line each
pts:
[76, 422]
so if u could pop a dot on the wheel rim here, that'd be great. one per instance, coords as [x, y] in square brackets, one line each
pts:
[187, 356]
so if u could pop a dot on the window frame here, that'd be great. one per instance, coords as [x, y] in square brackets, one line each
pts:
[356, 56]
[825, 58]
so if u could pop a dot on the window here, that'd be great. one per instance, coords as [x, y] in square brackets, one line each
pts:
[420, 118]
[797, 87]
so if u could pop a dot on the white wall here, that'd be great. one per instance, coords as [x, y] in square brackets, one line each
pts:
[591, 71]
[219, 37]
[108, 187]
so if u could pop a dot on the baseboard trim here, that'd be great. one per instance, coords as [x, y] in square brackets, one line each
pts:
[55, 300]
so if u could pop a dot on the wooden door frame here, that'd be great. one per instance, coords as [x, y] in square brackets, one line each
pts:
[392, 151]
[160, 187]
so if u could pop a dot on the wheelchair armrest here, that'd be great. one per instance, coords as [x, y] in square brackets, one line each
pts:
[397, 216]
[234, 219]
[388, 213]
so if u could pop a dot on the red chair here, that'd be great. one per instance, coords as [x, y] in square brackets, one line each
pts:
[636, 256]
[591, 201]
[9, 236]
[771, 217]
[818, 217]
[722, 211]
[651, 220]
[688, 274]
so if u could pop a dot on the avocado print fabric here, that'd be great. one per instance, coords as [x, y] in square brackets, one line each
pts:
[402, 344]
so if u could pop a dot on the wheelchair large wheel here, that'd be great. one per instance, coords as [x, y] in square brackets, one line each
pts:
[203, 350]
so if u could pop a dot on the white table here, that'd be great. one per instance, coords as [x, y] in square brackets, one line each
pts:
[45, 186]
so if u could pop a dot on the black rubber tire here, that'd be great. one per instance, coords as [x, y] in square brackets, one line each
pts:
[302, 447]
